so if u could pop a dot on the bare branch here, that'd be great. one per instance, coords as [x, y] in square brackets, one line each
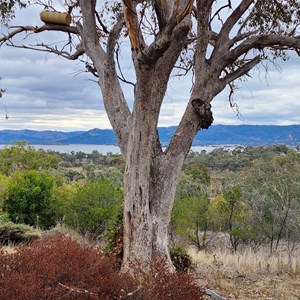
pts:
[273, 41]
[76, 290]
[242, 36]
[90, 38]
[223, 41]
[34, 29]
[113, 38]
[234, 18]
[46, 48]
[101, 23]
[243, 70]
[163, 41]
[219, 10]
[244, 24]
[122, 77]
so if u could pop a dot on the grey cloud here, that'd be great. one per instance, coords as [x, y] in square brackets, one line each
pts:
[44, 93]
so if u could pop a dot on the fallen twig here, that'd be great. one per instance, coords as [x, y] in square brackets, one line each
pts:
[213, 295]
[77, 290]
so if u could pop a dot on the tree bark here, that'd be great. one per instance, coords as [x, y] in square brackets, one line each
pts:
[151, 174]
[150, 178]
[150, 185]
[219, 58]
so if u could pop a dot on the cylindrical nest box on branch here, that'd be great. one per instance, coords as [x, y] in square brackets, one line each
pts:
[54, 17]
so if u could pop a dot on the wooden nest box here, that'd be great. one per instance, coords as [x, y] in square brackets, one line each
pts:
[54, 17]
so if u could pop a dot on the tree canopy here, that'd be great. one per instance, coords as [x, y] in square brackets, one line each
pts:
[7, 9]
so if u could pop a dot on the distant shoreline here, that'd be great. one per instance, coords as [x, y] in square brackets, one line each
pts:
[113, 149]
[104, 149]
[216, 136]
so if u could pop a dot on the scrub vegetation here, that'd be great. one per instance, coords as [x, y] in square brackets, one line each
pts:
[236, 218]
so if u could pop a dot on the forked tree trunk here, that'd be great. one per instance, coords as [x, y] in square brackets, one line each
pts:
[150, 185]
[150, 179]
[151, 174]
[219, 58]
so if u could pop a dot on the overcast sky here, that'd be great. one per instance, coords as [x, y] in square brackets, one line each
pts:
[45, 92]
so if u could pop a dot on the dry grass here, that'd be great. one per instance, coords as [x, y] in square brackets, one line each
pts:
[245, 275]
[249, 275]
[8, 249]
[260, 262]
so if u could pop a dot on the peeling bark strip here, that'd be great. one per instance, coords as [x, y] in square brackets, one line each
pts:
[131, 21]
[203, 110]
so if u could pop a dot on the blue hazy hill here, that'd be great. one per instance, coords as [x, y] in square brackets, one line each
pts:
[247, 135]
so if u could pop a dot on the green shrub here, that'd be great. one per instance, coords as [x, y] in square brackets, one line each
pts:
[11, 233]
[180, 258]
[114, 238]
[88, 208]
[28, 199]
[3, 217]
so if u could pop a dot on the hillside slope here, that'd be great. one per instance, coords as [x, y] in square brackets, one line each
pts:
[246, 135]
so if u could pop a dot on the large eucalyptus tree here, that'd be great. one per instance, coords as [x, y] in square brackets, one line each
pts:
[219, 41]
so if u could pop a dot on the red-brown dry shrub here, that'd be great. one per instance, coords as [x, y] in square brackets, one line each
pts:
[60, 268]
[162, 285]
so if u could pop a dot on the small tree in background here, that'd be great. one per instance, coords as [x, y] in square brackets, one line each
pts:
[191, 204]
[28, 199]
[228, 213]
[271, 187]
[189, 219]
[87, 208]
[22, 157]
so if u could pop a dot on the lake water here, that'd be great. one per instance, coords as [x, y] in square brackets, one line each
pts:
[104, 149]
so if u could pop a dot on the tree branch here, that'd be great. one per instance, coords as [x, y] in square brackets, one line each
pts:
[242, 36]
[234, 18]
[243, 70]
[90, 38]
[223, 41]
[34, 29]
[219, 10]
[132, 23]
[161, 10]
[164, 39]
[183, 137]
[113, 38]
[48, 49]
[273, 41]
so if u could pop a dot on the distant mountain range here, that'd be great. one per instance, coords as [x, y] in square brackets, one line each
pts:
[246, 135]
